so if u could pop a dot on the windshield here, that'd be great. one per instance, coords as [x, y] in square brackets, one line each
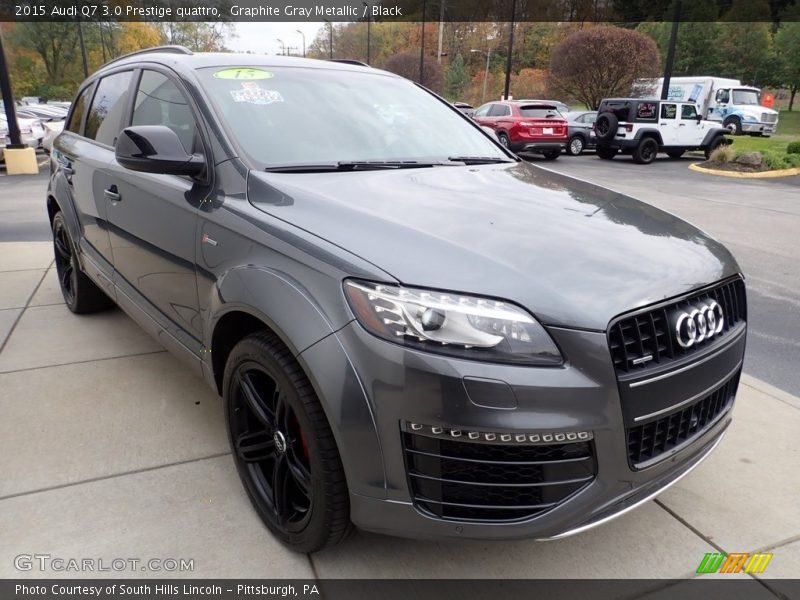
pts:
[745, 97]
[302, 116]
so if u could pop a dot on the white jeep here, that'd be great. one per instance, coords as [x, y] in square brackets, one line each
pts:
[645, 127]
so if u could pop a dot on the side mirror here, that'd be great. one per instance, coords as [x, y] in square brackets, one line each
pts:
[699, 118]
[156, 149]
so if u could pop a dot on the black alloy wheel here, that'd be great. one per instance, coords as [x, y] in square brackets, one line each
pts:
[81, 295]
[646, 151]
[283, 446]
[66, 267]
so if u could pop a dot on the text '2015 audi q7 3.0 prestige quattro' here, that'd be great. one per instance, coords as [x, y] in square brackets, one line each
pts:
[412, 330]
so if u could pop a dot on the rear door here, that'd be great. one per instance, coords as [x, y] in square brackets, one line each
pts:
[83, 153]
[482, 115]
[153, 221]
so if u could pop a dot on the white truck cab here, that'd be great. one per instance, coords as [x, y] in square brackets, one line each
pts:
[727, 101]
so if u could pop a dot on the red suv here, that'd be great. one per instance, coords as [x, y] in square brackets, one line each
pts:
[526, 127]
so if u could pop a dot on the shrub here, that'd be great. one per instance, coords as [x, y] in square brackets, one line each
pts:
[793, 148]
[723, 154]
[792, 160]
[773, 161]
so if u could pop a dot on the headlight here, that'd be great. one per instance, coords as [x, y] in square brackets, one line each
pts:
[462, 326]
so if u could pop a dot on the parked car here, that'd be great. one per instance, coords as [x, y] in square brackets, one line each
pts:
[31, 131]
[52, 129]
[643, 128]
[525, 127]
[581, 131]
[411, 329]
[467, 109]
[43, 112]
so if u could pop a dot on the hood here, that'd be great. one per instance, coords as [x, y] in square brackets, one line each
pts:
[572, 253]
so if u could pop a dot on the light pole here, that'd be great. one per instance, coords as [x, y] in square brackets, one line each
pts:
[509, 58]
[369, 20]
[304, 42]
[486, 73]
[422, 46]
[283, 46]
[330, 38]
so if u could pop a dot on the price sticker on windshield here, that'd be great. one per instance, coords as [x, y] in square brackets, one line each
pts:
[243, 73]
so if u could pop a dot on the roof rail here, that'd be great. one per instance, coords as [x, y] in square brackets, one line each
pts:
[165, 49]
[349, 61]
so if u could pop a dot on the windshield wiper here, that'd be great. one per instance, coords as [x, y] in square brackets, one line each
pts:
[478, 160]
[354, 165]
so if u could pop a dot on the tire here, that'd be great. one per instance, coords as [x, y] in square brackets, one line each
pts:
[646, 151]
[552, 154]
[81, 295]
[279, 435]
[606, 153]
[605, 126]
[734, 125]
[575, 145]
[503, 139]
[715, 143]
[675, 154]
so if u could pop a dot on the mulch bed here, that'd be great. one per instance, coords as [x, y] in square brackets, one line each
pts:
[732, 166]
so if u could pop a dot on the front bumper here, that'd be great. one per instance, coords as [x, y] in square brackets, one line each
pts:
[372, 390]
[761, 128]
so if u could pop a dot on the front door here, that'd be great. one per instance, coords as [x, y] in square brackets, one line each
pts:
[153, 220]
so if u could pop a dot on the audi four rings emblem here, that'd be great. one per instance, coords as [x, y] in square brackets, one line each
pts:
[699, 324]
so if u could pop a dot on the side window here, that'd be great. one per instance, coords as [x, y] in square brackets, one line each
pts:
[499, 110]
[483, 110]
[76, 117]
[107, 113]
[723, 96]
[160, 102]
[688, 111]
[668, 111]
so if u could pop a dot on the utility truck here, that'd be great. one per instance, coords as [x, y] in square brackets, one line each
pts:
[734, 105]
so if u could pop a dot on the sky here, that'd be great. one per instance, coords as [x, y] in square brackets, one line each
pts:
[263, 37]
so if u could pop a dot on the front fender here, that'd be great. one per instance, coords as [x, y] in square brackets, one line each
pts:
[273, 297]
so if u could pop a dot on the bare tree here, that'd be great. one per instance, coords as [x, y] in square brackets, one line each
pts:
[599, 62]
[406, 65]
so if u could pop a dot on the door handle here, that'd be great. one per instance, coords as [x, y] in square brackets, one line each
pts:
[681, 124]
[67, 169]
[112, 194]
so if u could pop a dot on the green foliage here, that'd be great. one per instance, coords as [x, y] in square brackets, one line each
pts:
[787, 48]
[456, 78]
[793, 148]
[773, 161]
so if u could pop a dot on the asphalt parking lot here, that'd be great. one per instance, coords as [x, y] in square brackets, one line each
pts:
[109, 448]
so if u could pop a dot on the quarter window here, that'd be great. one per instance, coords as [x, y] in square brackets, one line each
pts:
[646, 111]
[76, 117]
[109, 105]
[160, 102]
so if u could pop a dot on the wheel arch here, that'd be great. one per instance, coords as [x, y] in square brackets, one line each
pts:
[650, 133]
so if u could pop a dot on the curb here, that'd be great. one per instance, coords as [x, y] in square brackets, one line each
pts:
[770, 390]
[759, 175]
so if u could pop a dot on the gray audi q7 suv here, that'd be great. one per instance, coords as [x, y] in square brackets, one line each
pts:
[412, 330]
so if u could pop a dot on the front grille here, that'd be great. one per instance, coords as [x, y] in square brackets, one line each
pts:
[476, 481]
[648, 333]
[769, 118]
[650, 440]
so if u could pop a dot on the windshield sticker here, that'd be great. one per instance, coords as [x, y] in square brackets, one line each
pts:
[243, 73]
[252, 93]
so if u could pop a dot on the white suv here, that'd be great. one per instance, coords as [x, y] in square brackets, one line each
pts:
[645, 127]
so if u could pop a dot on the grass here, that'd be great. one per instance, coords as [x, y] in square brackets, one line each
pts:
[773, 149]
